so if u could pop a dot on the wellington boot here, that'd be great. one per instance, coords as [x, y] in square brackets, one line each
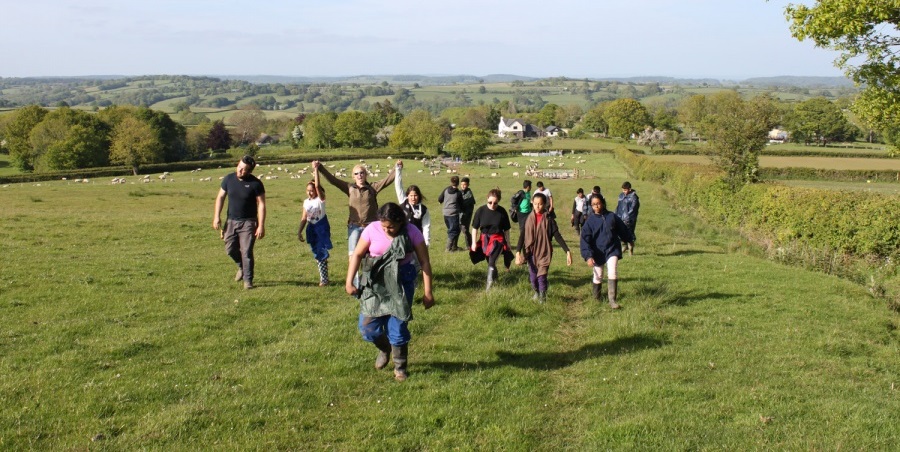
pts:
[384, 352]
[400, 353]
[596, 290]
[613, 293]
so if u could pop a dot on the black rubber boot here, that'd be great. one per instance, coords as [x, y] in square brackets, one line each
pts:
[613, 293]
[384, 352]
[596, 289]
[400, 373]
[491, 277]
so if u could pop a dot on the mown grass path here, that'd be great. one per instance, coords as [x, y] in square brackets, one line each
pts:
[120, 328]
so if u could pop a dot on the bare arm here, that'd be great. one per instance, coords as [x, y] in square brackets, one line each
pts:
[261, 216]
[302, 225]
[362, 247]
[217, 210]
[318, 187]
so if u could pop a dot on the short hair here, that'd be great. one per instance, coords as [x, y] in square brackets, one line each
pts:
[627, 185]
[249, 161]
[526, 183]
[596, 188]
[392, 212]
[454, 180]
[579, 191]
[465, 179]
[540, 184]
[495, 192]
[540, 196]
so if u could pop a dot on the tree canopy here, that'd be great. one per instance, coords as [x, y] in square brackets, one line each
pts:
[867, 35]
[625, 117]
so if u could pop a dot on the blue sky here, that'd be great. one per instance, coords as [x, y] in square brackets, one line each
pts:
[726, 39]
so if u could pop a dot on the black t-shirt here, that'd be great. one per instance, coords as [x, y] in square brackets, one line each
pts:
[491, 221]
[242, 196]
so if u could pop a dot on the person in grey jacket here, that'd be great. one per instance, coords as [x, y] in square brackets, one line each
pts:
[451, 200]
[627, 210]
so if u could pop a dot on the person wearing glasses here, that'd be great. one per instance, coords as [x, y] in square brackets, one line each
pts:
[246, 215]
[362, 196]
[490, 228]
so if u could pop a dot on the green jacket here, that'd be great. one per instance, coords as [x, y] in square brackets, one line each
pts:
[379, 277]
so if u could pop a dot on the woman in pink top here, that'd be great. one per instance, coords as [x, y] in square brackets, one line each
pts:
[384, 259]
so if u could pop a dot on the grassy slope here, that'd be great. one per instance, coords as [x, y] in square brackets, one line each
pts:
[118, 318]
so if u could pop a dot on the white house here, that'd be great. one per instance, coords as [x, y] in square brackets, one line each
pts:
[514, 127]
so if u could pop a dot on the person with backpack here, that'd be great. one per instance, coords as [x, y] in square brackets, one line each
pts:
[601, 243]
[627, 210]
[520, 205]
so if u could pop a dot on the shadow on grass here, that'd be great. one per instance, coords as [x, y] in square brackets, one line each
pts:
[557, 360]
[687, 253]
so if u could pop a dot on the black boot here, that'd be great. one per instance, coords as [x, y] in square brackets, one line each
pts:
[613, 293]
[399, 353]
[596, 288]
[384, 352]
[490, 279]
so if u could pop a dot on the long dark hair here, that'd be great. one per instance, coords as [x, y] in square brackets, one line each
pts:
[392, 212]
[415, 188]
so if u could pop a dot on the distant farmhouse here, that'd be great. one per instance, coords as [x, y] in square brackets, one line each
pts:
[519, 129]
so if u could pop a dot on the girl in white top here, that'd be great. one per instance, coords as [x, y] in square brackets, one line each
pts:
[318, 231]
[411, 201]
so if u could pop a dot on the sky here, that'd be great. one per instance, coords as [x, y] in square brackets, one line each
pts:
[724, 39]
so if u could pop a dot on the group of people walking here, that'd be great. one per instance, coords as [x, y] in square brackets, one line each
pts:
[388, 244]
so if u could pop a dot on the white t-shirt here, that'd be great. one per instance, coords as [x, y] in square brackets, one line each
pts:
[315, 210]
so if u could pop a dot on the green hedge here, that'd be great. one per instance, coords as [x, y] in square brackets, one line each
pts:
[853, 223]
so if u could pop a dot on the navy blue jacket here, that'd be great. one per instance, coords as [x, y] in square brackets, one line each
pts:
[627, 208]
[602, 236]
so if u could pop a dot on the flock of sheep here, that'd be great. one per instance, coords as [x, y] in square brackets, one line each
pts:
[434, 167]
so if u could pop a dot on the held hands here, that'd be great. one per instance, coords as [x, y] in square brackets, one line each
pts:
[399, 164]
[520, 258]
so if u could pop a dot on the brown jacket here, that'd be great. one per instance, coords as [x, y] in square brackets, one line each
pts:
[363, 200]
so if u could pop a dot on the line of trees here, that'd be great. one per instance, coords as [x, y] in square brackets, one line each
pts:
[733, 128]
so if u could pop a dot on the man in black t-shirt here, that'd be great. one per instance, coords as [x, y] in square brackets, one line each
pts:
[246, 217]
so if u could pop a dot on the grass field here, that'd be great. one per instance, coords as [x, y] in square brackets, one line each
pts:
[850, 163]
[120, 328]
[881, 188]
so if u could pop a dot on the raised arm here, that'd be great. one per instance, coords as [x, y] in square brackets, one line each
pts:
[318, 187]
[341, 185]
[380, 185]
[398, 183]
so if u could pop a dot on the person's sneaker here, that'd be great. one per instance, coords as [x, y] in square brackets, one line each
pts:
[239, 275]
[248, 285]
[534, 297]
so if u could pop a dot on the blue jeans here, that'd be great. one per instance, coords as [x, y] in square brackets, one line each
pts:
[353, 233]
[397, 330]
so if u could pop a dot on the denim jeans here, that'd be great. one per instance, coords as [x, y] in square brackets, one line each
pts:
[353, 233]
[453, 230]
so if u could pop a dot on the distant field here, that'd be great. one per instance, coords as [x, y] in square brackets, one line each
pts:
[881, 188]
[798, 162]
